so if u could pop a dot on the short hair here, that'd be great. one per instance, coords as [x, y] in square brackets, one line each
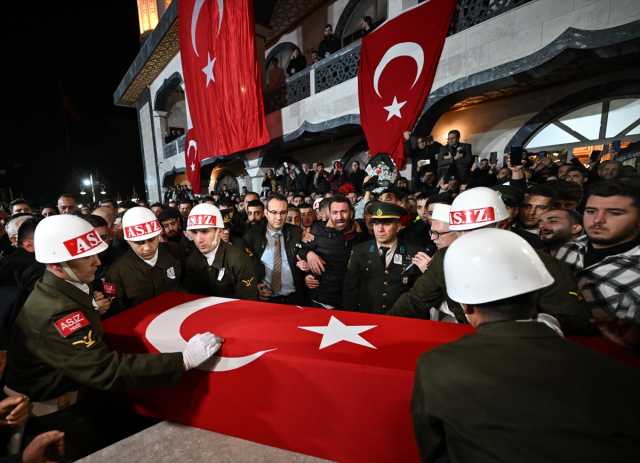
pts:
[255, 203]
[423, 196]
[568, 191]
[225, 203]
[293, 208]
[325, 204]
[27, 229]
[457, 132]
[127, 204]
[66, 195]
[542, 190]
[368, 20]
[17, 201]
[340, 198]
[511, 308]
[305, 206]
[328, 25]
[575, 218]
[299, 196]
[580, 169]
[274, 60]
[397, 194]
[617, 188]
[49, 206]
[186, 201]
[276, 197]
[118, 215]
[445, 198]
[95, 221]
[402, 178]
[356, 161]
[160, 205]
[618, 163]
[113, 202]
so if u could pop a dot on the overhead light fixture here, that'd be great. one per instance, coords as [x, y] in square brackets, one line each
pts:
[87, 182]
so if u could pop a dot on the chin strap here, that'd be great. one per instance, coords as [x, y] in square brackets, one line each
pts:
[70, 272]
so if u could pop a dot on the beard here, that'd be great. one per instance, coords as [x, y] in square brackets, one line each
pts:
[558, 237]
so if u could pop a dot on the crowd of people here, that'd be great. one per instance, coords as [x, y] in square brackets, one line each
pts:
[553, 243]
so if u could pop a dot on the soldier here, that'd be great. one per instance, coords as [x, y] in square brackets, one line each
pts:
[57, 349]
[518, 376]
[481, 208]
[219, 269]
[374, 278]
[149, 268]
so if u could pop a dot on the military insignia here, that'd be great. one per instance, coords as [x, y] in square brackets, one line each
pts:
[249, 252]
[86, 340]
[248, 282]
[405, 280]
[499, 193]
[371, 249]
[71, 323]
[379, 213]
[578, 294]
[397, 259]
[402, 250]
[171, 273]
[221, 274]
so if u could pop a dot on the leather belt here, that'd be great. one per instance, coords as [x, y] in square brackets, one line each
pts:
[47, 407]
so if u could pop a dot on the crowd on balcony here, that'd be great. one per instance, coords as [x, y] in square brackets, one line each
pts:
[363, 239]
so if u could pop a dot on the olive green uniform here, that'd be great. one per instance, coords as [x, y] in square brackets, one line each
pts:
[561, 300]
[44, 365]
[231, 274]
[369, 286]
[518, 392]
[137, 282]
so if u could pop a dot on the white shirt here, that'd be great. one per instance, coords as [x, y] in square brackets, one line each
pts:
[81, 286]
[151, 261]
[287, 286]
[211, 256]
[390, 252]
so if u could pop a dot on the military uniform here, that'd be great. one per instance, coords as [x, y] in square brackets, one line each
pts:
[561, 300]
[137, 282]
[518, 392]
[369, 286]
[231, 274]
[57, 346]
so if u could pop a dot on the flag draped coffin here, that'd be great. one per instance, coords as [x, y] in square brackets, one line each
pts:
[331, 384]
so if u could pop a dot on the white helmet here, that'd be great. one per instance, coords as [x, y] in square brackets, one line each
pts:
[492, 264]
[441, 212]
[61, 238]
[476, 208]
[205, 215]
[139, 224]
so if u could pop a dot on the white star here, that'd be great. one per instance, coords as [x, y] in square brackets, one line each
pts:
[337, 331]
[193, 166]
[208, 69]
[394, 109]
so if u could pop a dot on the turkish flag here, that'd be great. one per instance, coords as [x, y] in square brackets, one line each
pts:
[192, 161]
[398, 62]
[222, 77]
[331, 384]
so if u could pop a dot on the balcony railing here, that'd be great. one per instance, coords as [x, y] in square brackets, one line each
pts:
[343, 65]
[174, 147]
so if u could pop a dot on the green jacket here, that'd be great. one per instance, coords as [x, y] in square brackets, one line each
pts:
[518, 392]
[137, 282]
[43, 364]
[237, 281]
[369, 286]
[561, 300]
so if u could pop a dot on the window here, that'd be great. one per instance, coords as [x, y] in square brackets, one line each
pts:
[377, 9]
[592, 126]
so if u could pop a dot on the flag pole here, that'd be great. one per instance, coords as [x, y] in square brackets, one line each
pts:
[64, 114]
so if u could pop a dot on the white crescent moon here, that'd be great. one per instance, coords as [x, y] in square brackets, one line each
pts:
[194, 21]
[410, 49]
[192, 144]
[164, 334]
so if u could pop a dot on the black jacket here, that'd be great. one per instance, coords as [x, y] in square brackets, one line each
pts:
[429, 153]
[298, 64]
[357, 178]
[330, 44]
[256, 238]
[14, 266]
[462, 165]
[331, 246]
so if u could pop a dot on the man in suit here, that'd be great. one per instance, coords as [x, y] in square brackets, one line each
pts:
[375, 277]
[456, 154]
[515, 391]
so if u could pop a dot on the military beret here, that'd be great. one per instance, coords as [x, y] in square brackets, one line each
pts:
[169, 213]
[388, 211]
[510, 195]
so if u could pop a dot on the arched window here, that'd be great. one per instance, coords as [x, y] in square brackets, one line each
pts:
[377, 9]
[177, 112]
[590, 127]
[283, 58]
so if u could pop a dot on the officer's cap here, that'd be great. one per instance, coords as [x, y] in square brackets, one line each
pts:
[226, 219]
[386, 211]
[510, 195]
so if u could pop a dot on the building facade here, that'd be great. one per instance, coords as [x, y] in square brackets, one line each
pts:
[561, 76]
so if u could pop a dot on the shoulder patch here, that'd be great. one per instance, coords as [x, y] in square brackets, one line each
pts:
[87, 340]
[249, 252]
[71, 323]
[402, 250]
[371, 249]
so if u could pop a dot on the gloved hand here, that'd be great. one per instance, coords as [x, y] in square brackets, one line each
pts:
[200, 348]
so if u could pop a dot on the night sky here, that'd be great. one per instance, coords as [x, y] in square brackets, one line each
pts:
[87, 46]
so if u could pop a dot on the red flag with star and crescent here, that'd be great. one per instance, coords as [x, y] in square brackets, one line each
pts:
[222, 80]
[398, 63]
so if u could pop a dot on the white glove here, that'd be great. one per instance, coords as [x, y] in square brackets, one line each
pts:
[200, 348]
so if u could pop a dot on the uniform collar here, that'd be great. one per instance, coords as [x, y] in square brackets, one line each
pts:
[516, 329]
[219, 257]
[68, 290]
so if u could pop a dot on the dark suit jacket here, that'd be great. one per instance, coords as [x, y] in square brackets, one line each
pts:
[462, 165]
[518, 392]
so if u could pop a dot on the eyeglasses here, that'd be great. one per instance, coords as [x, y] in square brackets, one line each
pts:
[281, 213]
[435, 235]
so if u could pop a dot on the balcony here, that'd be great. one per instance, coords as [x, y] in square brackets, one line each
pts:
[174, 147]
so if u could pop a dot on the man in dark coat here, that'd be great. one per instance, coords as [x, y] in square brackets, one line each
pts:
[510, 391]
[297, 62]
[455, 154]
[17, 263]
[330, 43]
[424, 157]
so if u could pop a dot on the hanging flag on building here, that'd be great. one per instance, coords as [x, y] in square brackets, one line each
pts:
[398, 62]
[222, 79]
[67, 104]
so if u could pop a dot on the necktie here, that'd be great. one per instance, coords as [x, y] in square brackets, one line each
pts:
[276, 275]
[383, 256]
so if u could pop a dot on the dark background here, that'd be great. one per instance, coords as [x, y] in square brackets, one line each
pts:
[87, 47]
